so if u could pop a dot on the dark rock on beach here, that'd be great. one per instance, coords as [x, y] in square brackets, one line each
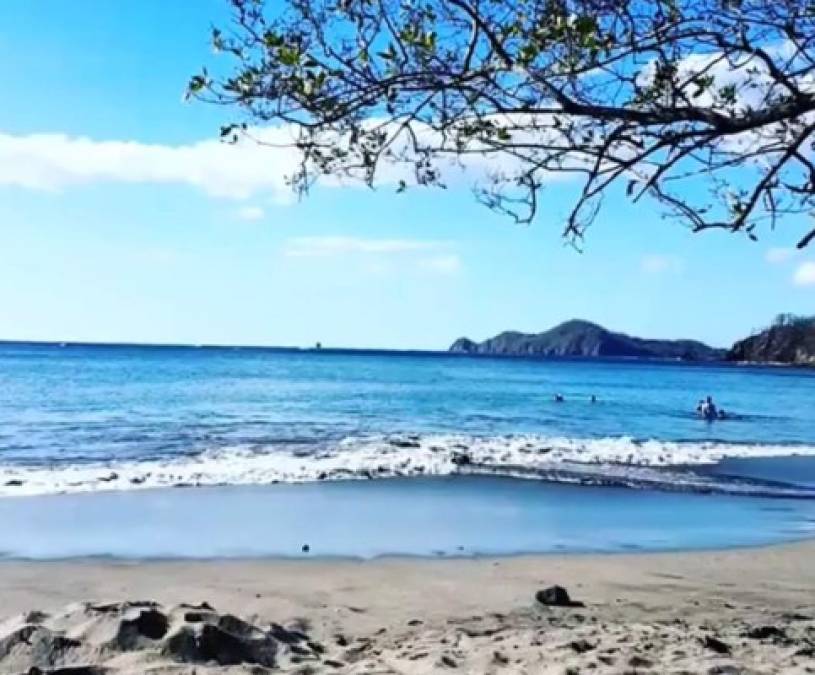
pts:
[448, 661]
[182, 645]
[766, 632]
[145, 632]
[42, 646]
[581, 646]
[226, 640]
[36, 616]
[714, 644]
[148, 625]
[638, 661]
[286, 635]
[226, 648]
[556, 596]
[197, 616]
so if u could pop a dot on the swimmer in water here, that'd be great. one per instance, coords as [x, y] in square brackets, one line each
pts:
[559, 398]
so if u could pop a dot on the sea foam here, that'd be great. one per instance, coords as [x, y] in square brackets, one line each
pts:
[604, 461]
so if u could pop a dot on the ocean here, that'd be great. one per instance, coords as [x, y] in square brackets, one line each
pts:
[366, 433]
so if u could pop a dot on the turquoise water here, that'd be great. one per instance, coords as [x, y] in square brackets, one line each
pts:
[114, 402]
[281, 432]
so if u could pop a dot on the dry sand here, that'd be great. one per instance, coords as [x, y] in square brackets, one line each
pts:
[746, 611]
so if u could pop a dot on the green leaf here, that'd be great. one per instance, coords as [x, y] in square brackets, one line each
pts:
[197, 83]
[272, 39]
[288, 56]
[585, 25]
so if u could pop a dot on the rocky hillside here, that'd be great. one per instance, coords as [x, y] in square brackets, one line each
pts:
[789, 340]
[583, 338]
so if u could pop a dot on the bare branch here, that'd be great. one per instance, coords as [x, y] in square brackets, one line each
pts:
[705, 107]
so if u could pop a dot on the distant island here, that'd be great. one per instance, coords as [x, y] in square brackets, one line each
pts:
[583, 338]
[789, 340]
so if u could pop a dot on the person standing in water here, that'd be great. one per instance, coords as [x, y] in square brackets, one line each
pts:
[709, 411]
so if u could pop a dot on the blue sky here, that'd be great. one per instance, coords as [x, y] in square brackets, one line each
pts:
[123, 219]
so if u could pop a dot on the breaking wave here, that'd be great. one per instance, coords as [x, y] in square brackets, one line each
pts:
[623, 462]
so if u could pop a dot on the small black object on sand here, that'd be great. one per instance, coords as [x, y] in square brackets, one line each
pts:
[556, 596]
[715, 645]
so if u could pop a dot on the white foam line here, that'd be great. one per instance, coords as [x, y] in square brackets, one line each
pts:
[377, 456]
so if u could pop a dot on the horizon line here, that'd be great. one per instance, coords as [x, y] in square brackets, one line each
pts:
[193, 345]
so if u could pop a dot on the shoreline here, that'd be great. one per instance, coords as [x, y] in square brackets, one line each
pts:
[417, 615]
[440, 556]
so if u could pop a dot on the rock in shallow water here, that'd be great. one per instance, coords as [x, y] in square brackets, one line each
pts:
[405, 443]
[461, 459]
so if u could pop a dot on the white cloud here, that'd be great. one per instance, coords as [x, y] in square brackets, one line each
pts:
[777, 256]
[251, 213]
[805, 274]
[750, 75]
[380, 256]
[752, 85]
[449, 264]
[258, 165]
[658, 264]
[55, 162]
[310, 247]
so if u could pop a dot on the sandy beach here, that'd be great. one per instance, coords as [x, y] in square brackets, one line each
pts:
[749, 610]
